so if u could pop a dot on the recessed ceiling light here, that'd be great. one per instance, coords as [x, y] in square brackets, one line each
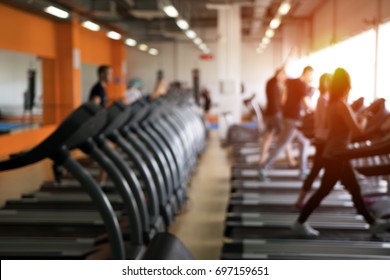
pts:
[171, 11]
[153, 51]
[131, 42]
[265, 40]
[284, 8]
[270, 33]
[114, 35]
[198, 41]
[191, 34]
[143, 47]
[183, 24]
[274, 24]
[56, 12]
[91, 25]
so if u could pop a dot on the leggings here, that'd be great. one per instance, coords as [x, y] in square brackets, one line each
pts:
[336, 170]
[290, 132]
[318, 164]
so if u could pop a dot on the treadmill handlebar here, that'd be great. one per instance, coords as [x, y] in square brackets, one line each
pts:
[378, 148]
[117, 116]
[83, 123]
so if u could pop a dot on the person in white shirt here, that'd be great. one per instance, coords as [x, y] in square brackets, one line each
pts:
[133, 92]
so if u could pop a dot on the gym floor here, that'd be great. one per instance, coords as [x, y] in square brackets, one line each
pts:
[200, 226]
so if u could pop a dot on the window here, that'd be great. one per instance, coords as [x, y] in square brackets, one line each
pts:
[357, 56]
[383, 79]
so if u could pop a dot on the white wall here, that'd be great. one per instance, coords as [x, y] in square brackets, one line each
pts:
[177, 60]
[13, 81]
[258, 68]
[255, 69]
[88, 79]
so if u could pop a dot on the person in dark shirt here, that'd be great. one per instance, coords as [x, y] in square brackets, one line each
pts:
[297, 90]
[205, 94]
[275, 92]
[98, 93]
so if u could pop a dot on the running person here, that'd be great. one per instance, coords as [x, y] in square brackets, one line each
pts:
[297, 92]
[320, 135]
[273, 116]
[342, 123]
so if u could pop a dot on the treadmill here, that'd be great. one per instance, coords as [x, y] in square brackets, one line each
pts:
[247, 163]
[118, 114]
[83, 123]
[267, 235]
[163, 246]
[131, 199]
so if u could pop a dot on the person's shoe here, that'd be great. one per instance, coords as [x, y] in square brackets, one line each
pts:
[379, 226]
[303, 174]
[262, 174]
[299, 205]
[304, 229]
[368, 200]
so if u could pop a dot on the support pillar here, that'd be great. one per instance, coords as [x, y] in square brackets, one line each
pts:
[51, 113]
[117, 88]
[68, 63]
[229, 62]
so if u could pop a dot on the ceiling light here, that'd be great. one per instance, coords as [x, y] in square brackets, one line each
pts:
[198, 41]
[191, 34]
[91, 25]
[274, 24]
[265, 41]
[131, 42]
[204, 48]
[114, 35]
[183, 24]
[153, 51]
[171, 11]
[270, 33]
[259, 50]
[143, 47]
[284, 8]
[56, 12]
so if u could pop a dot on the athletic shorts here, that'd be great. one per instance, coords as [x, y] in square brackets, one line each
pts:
[274, 123]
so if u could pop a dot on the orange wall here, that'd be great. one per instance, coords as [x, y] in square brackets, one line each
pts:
[55, 41]
[51, 114]
[28, 33]
[95, 47]
[68, 41]
[117, 88]
[14, 143]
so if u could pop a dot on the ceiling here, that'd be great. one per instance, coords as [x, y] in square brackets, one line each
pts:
[145, 20]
